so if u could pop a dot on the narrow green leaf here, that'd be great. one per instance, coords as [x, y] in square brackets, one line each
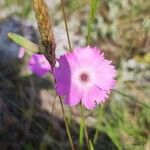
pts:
[92, 13]
[20, 40]
[91, 145]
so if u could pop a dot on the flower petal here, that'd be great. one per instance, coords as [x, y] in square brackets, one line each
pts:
[92, 95]
[105, 73]
[73, 96]
[88, 56]
[39, 65]
[67, 64]
[21, 52]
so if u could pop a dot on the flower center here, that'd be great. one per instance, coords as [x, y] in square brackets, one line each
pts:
[84, 77]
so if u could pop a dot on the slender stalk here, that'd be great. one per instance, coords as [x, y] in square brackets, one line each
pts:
[133, 98]
[66, 124]
[100, 115]
[23, 111]
[53, 105]
[66, 26]
[81, 134]
[96, 136]
[85, 129]
[69, 43]
[92, 13]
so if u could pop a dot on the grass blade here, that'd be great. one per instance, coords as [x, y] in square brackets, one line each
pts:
[23, 42]
[92, 13]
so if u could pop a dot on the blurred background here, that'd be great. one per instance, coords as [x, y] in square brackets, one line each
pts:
[28, 120]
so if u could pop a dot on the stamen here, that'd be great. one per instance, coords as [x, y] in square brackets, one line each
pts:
[84, 77]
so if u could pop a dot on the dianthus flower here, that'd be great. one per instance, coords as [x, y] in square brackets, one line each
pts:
[85, 76]
[39, 65]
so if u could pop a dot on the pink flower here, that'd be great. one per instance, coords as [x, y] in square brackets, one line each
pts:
[21, 52]
[85, 76]
[39, 65]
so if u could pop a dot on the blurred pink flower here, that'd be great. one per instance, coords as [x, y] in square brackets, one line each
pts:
[21, 52]
[85, 76]
[39, 65]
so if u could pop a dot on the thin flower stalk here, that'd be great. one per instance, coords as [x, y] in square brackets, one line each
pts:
[66, 26]
[66, 124]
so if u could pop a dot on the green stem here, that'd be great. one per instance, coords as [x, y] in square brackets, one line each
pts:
[100, 115]
[81, 134]
[53, 105]
[21, 109]
[66, 26]
[66, 124]
[93, 8]
[69, 43]
[133, 98]
[85, 129]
